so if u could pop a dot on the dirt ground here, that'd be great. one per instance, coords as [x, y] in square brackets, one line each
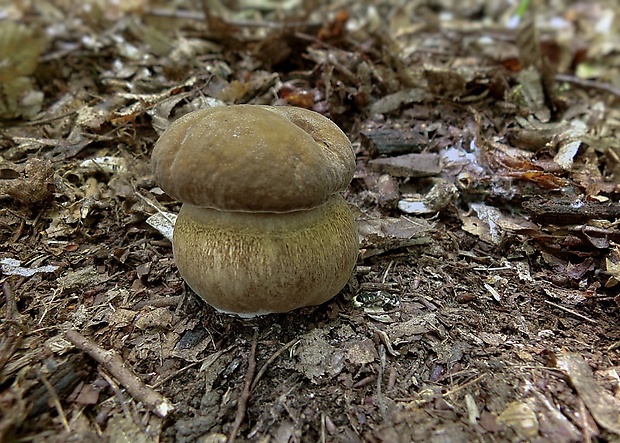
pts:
[484, 304]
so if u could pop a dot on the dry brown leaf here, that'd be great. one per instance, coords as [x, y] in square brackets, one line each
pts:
[604, 407]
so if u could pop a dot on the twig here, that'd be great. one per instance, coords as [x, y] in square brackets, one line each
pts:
[116, 366]
[379, 380]
[46, 307]
[48, 119]
[373, 286]
[207, 360]
[610, 348]
[385, 340]
[391, 379]
[463, 386]
[575, 313]
[159, 210]
[592, 84]
[15, 326]
[118, 394]
[242, 403]
[263, 369]
[364, 382]
[56, 400]
[157, 302]
[12, 314]
[587, 437]
[387, 271]
[176, 14]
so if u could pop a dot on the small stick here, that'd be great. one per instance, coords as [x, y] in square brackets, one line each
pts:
[391, 379]
[373, 286]
[385, 340]
[382, 359]
[118, 394]
[210, 359]
[575, 313]
[242, 403]
[593, 84]
[387, 271]
[263, 369]
[12, 314]
[15, 327]
[115, 365]
[56, 400]
[463, 386]
[587, 437]
[610, 348]
[364, 382]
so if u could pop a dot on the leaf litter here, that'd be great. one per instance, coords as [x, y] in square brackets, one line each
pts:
[485, 301]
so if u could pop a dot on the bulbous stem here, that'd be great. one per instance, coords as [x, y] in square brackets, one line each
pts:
[259, 263]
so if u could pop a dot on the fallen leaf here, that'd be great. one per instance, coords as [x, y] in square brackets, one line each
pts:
[604, 407]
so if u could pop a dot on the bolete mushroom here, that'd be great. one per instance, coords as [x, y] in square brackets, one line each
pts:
[263, 228]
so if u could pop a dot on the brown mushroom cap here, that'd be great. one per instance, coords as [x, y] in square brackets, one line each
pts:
[251, 158]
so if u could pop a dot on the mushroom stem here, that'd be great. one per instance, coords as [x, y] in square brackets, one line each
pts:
[257, 263]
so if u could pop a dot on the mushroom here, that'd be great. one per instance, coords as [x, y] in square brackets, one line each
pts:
[263, 227]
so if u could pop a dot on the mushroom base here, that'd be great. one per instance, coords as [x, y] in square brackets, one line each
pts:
[259, 263]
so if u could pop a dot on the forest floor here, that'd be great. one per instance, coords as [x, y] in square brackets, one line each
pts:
[484, 304]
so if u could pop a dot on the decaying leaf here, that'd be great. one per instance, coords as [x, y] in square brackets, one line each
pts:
[125, 430]
[408, 165]
[553, 424]
[405, 331]
[444, 82]
[440, 196]
[604, 407]
[520, 417]
[163, 222]
[612, 263]
[571, 140]
[27, 183]
[11, 266]
[155, 318]
[394, 101]
[490, 224]
[361, 352]
[430, 93]
[316, 356]
[380, 235]
[83, 277]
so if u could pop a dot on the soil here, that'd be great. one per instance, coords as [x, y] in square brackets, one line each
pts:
[483, 306]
